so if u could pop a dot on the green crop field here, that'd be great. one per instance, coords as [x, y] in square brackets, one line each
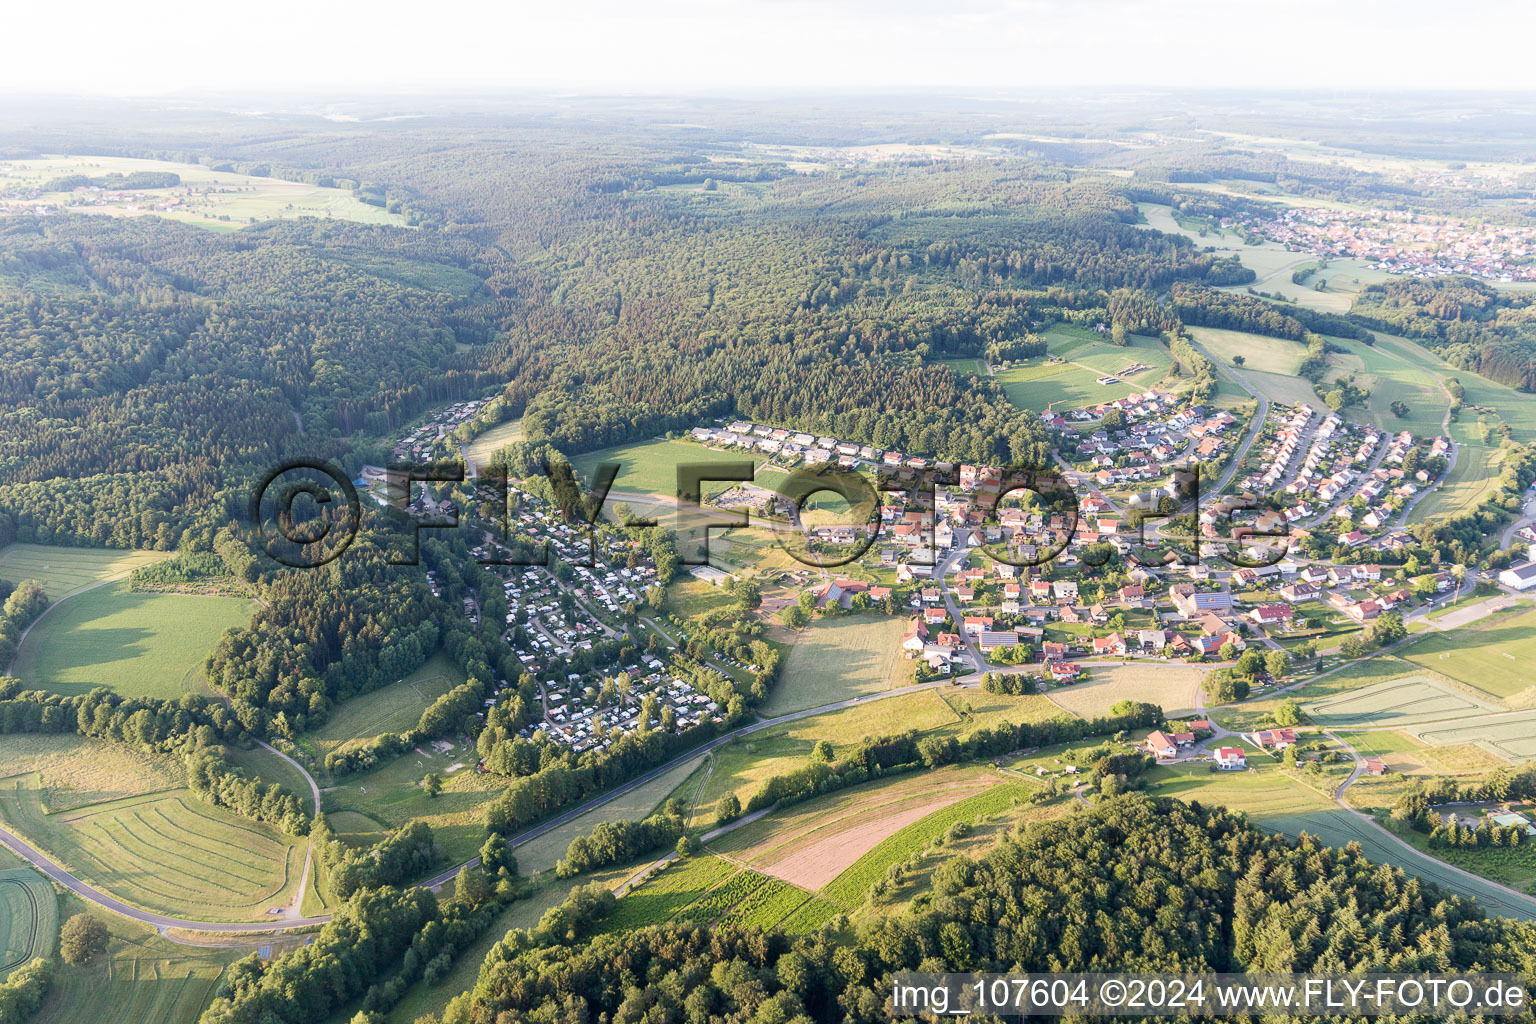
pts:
[217, 200]
[1473, 480]
[1260, 353]
[137, 643]
[141, 978]
[810, 916]
[1265, 791]
[1037, 384]
[168, 852]
[650, 467]
[743, 766]
[393, 708]
[834, 659]
[668, 891]
[766, 905]
[1512, 737]
[850, 888]
[1406, 701]
[63, 570]
[541, 854]
[487, 444]
[1340, 828]
[1494, 654]
[29, 919]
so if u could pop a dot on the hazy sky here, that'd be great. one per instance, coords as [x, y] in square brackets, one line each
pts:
[666, 45]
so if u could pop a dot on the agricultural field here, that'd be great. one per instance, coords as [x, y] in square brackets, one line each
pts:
[1266, 790]
[1387, 372]
[811, 843]
[63, 571]
[75, 771]
[976, 709]
[835, 659]
[1473, 480]
[851, 886]
[1407, 756]
[167, 852]
[391, 795]
[1409, 700]
[667, 891]
[142, 978]
[541, 854]
[1038, 385]
[140, 644]
[965, 365]
[650, 467]
[742, 766]
[1261, 354]
[1512, 737]
[29, 918]
[493, 440]
[1492, 655]
[1339, 827]
[393, 708]
[217, 200]
[1174, 688]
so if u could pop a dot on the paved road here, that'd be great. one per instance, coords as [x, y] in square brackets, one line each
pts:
[1519, 898]
[1254, 427]
[161, 921]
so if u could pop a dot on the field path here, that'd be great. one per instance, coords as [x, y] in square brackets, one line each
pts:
[11, 668]
[1519, 898]
[309, 848]
[158, 921]
[163, 923]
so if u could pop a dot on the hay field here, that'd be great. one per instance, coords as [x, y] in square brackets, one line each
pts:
[29, 918]
[1174, 688]
[835, 659]
[1408, 700]
[167, 852]
[64, 570]
[140, 644]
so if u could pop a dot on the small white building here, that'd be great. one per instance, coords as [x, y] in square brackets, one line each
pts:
[1229, 758]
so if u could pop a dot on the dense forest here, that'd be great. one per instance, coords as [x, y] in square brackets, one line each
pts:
[1136, 884]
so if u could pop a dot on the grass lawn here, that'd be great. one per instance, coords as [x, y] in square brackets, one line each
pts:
[1493, 654]
[168, 851]
[29, 918]
[834, 659]
[142, 976]
[1473, 480]
[1260, 353]
[140, 644]
[393, 708]
[63, 570]
[1264, 791]
[689, 597]
[1173, 688]
[392, 796]
[1039, 385]
[487, 444]
[650, 467]
[541, 854]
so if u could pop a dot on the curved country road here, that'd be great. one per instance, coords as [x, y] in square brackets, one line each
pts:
[163, 922]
